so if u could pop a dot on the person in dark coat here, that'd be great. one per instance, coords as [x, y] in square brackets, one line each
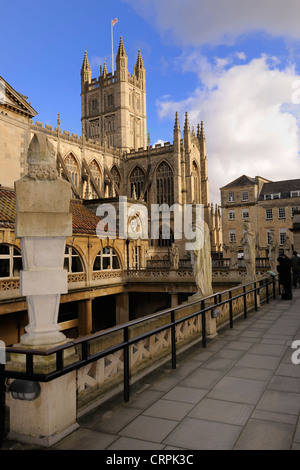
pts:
[285, 276]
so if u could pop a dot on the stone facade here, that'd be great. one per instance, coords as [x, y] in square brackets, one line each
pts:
[268, 206]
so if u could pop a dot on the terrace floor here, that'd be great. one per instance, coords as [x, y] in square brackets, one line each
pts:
[242, 392]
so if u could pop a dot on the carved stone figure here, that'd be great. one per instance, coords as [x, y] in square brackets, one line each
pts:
[202, 265]
[249, 244]
[273, 251]
[174, 255]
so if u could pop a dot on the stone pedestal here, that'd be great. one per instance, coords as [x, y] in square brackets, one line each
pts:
[50, 417]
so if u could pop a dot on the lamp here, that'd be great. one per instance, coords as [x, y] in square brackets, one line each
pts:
[215, 313]
[25, 390]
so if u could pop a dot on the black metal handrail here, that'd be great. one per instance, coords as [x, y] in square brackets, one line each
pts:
[86, 358]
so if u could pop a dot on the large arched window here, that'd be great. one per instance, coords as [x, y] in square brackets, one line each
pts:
[10, 261]
[73, 169]
[72, 261]
[136, 183]
[107, 258]
[164, 184]
[95, 170]
[116, 180]
[195, 183]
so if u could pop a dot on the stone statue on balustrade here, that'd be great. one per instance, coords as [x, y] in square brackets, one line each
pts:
[202, 265]
[174, 256]
[249, 244]
[273, 251]
[233, 250]
[287, 247]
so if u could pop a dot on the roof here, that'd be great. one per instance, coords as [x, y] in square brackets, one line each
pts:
[241, 181]
[15, 100]
[84, 220]
[283, 187]
[7, 208]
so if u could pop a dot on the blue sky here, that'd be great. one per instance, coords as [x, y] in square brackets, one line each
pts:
[234, 64]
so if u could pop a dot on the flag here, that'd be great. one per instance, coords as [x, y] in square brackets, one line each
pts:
[113, 22]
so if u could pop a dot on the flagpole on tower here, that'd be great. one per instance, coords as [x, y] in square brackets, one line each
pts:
[113, 22]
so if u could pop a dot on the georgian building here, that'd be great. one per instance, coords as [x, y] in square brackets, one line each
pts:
[269, 206]
[113, 158]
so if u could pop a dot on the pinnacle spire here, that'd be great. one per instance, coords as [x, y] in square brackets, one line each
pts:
[139, 61]
[86, 71]
[176, 125]
[121, 50]
[85, 64]
[186, 124]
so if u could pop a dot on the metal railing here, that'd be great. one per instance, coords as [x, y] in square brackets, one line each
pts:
[215, 301]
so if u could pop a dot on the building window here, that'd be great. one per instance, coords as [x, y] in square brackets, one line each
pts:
[164, 184]
[136, 257]
[294, 193]
[166, 237]
[95, 170]
[110, 100]
[245, 196]
[10, 261]
[232, 236]
[72, 261]
[196, 183]
[231, 215]
[106, 259]
[116, 180]
[269, 214]
[73, 170]
[267, 197]
[293, 209]
[136, 182]
[282, 235]
[245, 213]
[281, 212]
[93, 105]
[230, 197]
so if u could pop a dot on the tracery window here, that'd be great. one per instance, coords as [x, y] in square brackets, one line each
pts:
[10, 261]
[108, 259]
[164, 184]
[73, 169]
[116, 179]
[95, 170]
[136, 183]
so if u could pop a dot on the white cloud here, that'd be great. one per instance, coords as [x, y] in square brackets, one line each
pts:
[218, 21]
[250, 120]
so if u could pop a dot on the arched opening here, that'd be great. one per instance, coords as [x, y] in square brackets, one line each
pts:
[73, 169]
[96, 173]
[108, 259]
[137, 179]
[164, 184]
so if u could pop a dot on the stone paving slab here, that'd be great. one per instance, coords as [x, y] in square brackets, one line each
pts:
[241, 392]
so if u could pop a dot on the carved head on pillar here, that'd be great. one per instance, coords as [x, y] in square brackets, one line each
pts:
[41, 159]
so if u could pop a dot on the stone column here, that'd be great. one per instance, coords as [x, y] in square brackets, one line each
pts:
[85, 317]
[43, 222]
[122, 308]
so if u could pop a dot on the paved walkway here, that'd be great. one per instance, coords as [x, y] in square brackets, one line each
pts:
[241, 392]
